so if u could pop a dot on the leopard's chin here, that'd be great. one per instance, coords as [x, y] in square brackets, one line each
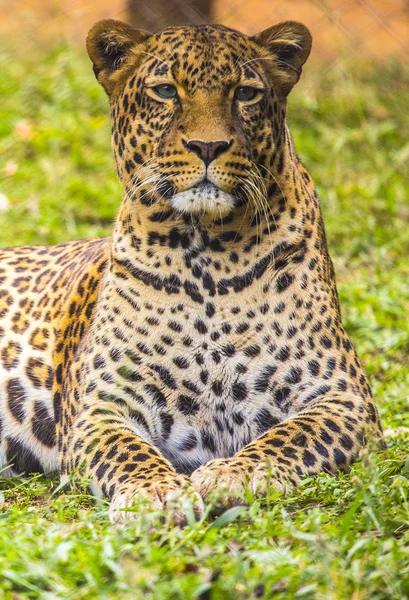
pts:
[204, 198]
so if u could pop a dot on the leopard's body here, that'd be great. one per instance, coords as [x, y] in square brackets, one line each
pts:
[208, 326]
[38, 286]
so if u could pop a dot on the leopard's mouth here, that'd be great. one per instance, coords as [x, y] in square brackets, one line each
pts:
[204, 197]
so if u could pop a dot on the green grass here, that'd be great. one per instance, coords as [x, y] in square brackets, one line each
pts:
[335, 538]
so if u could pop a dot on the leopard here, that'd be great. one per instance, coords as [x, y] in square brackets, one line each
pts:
[199, 350]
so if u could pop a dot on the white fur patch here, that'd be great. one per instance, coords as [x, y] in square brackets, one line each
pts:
[205, 198]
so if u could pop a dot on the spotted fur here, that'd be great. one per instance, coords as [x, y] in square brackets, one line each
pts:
[201, 345]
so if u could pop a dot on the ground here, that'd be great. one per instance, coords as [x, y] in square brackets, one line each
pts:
[335, 538]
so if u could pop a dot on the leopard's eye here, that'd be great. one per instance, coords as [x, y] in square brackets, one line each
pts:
[165, 91]
[245, 93]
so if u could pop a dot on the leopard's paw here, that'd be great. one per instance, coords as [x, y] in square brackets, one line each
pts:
[173, 494]
[226, 482]
[263, 479]
[223, 482]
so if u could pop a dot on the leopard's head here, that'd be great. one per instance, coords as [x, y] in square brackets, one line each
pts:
[198, 112]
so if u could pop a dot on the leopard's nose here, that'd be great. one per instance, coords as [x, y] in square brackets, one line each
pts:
[207, 151]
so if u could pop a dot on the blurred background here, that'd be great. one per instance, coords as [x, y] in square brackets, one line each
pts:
[347, 28]
[348, 115]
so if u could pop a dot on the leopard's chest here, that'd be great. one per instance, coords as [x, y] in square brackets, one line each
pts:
[222, 391]
[218, 409]
[200, 379]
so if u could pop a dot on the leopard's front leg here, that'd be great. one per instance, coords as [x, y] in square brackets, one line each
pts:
[107, 446]
[327, 437]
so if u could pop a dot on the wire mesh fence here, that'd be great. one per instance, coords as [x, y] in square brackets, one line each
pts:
[365, 29]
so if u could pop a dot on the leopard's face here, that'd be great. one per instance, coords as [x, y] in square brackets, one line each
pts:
[198, 113]
[202, 128]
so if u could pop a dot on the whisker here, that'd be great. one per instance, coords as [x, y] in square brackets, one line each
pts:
[271, 175]
[255, 201]
[157, 58]
[275, 58]
[260, 200]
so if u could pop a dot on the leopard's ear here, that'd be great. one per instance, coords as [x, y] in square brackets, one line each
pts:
[110, 44]
[289, 43]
